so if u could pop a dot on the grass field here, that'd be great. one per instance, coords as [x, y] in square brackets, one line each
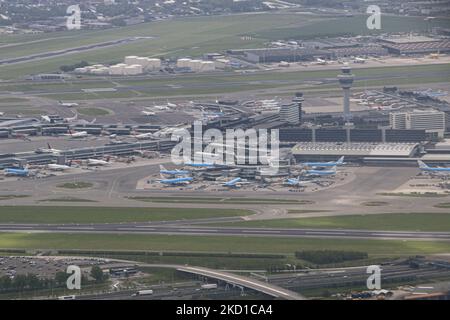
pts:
[388, 221]
[57, 214]
[93, 111]
[215, 243]
[75, 185]
[228, 82]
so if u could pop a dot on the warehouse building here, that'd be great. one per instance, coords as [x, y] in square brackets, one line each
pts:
[415, 45]
[268, 55]
[351, 135]
[323, 151]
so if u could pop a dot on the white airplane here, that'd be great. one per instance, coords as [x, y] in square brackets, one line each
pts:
[48, 150]
[320, 61]
[97, 162]
[161, 107]
[68, 104]
[359, 60]
[2, 114]
[58, 167]
[148, 113]
[72, 119]
[77, 134]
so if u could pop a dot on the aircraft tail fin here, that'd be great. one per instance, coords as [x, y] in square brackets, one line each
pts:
[161, 167]
[341, 160]
[422, 165]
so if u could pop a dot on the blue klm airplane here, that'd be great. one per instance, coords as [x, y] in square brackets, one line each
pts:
[16, 172]
[324, 164]
[235, 183]
[176, 181]
[425, 167]
[297, 182]
[321, 172]
[175, 172]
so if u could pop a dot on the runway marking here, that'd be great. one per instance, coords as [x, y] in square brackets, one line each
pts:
[76, 228]
[259, 231]
[327, 233]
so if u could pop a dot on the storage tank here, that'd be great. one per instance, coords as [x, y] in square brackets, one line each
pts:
[207, 66]
[133, 69]
[183, 63]
[131, 60]
[153, 63]
[116, 70]
[142, 61]
[195, 65]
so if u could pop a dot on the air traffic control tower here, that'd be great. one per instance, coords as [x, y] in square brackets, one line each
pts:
[346, 81]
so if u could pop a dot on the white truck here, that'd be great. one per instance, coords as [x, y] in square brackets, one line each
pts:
[142, 293]
[208, 286]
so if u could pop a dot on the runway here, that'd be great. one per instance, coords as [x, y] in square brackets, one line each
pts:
[177, 228]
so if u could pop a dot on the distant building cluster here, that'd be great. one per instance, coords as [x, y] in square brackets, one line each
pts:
[196, 65]
[133, 65]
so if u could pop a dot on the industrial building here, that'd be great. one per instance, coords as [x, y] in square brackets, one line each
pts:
[415, 45]
[133, 65]
[268, 55]
[430, 120]
[196, 65]
[353, 151]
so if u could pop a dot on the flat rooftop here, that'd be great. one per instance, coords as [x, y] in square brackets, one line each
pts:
[408, 39]
[355, 149]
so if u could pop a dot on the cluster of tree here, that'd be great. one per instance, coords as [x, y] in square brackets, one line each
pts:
[22, 14]
[98, 275]
[68, 68]
[330, 256]
[24, 282]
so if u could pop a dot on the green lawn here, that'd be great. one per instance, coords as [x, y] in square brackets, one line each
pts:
[63, 214]
[75, 185]
[214, 243]
[93, 111]
[388, 221]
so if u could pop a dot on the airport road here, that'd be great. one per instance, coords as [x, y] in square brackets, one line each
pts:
[173, 229]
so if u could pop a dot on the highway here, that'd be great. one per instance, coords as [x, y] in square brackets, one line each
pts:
[175, 229]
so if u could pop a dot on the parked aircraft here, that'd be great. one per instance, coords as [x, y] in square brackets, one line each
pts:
[48, 150]
[339, 162]
[425, 167]
[297, 182]
[77, 134]
[175, 172]
[235, 183]
[176, 181]
[97, 162]
[16, 172]
[58, 167]
[319, 173]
